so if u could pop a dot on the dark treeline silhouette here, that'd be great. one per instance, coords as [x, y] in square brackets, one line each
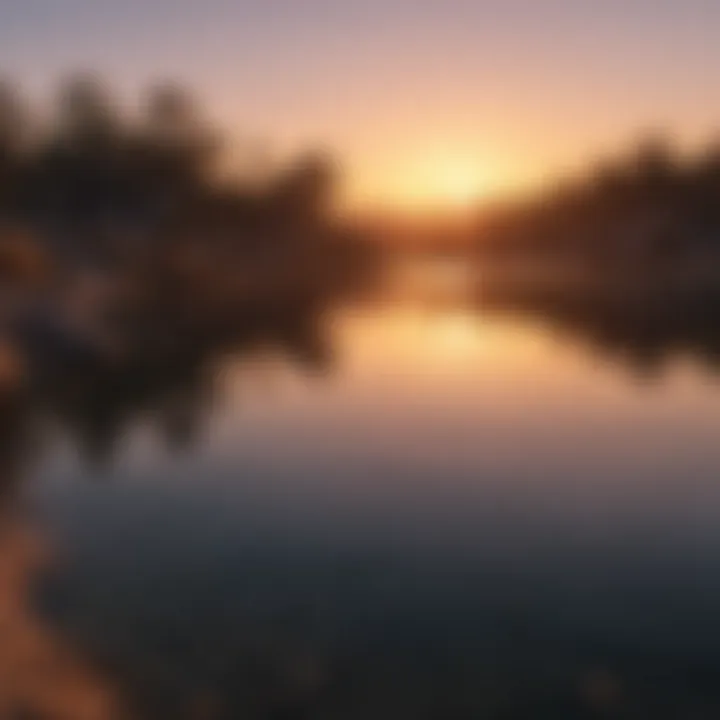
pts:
[635, 212]
[95, 186]
[92, 174]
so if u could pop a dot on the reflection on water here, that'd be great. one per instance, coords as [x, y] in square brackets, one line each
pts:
[464, 515]
[643, 322]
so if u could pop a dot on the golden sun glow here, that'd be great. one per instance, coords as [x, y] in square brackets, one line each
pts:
[438, 183]
[458, 185]
[446, 184]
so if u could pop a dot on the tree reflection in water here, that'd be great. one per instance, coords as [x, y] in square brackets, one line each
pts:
[640, 323]
[45, 675]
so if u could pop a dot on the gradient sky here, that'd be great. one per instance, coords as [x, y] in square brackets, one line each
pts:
[420, 99]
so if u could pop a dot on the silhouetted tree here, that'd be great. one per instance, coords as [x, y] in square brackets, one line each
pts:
[651, 201]
[176, 150]
[14, 136]
[305, 193]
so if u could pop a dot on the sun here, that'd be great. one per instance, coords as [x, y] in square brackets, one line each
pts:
[453, 184]
[429, 183]
[459, 185]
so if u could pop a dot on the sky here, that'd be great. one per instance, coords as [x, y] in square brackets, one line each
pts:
[423, 101]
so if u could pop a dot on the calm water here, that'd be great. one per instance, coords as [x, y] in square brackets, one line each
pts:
[443, 514]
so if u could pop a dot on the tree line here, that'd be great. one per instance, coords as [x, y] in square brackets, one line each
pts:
[649, 204]
[88, 170]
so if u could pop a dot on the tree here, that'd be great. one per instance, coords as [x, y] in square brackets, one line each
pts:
[14, 127]
[306, 193]
[86, 114]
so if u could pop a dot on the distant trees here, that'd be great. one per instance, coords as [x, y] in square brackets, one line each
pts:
[306, 192]
[652, 202]
[174, 150]
[90, 170]
[76, 164]
[13, 139]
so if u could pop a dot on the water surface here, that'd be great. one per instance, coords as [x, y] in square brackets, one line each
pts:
[448, 513]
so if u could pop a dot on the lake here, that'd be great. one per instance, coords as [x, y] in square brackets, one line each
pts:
[429, 510]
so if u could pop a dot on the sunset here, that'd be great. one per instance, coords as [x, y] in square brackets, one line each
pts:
[359, 360]
[515, 91]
